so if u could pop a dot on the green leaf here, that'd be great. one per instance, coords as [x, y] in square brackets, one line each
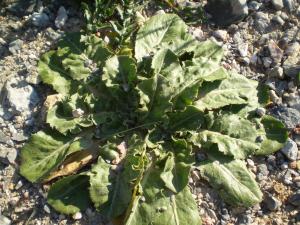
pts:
[46, 151]
[158, 31]
[189, 119]
[71, 61]
[120, 72]
[274, 135]
[238, 148]
[231, 178]
[155, 95]
[111, 189]
[70, 194]
[159, 206]
[60, 116]
[75, 67]
[177, 166]
[52, 73]
[239, 137]
[236, 90]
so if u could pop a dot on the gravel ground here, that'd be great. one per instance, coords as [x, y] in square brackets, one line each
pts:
[265, 46]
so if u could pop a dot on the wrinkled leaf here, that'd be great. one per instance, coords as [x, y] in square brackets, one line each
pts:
[231, 178]
[159, 206]
[112, 185]
[70, 194]
[177, 166]
[236, 90]
[46, 151]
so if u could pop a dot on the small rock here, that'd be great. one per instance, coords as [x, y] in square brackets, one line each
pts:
[289, 4]
[250, 163]
[211, 214]
[61, 17]
[19, 185]
[290, 150]
[290, 116]
[47, 209]
[274, 97]
[295, 199]
[226, 12]
[4, 220]
[272, 203]
[2, 41]
[220, 34]
[21, 96]
[77, 113]
[261, 112]
[275, 52]
[254, 5]
[12, 155]
[40, 19]
[15, 46]
[3, 137]
[77, 216]
[19, 137]
[243, 49]
[277, 4]
[278, 19]
[267, 61]
[198, 33]
[261, 22]
[277, 72]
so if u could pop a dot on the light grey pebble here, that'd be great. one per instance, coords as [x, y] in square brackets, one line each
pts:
[40, 19]
[243, 49]
[19, 137]
[77, 216]
[261, 112]
[275, 52]
[19, 185]
[47, 209]
[61, 17]
[4, 220]
[289, 116]
[277, 4]
[12, 155]
[4, 138]
[272, 203]
[15, 46]
[21, 96]
[274, 97]
[254, 5]
[289, 4]
[290, 150]
[211, 214]
[220, 34]
[277, 72]
[278, 19]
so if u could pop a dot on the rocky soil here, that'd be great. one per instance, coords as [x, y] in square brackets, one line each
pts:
[262, 42]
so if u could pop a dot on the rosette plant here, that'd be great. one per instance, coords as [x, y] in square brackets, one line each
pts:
[125, 129]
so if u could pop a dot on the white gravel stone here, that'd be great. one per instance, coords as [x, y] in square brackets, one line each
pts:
[47, 209]
[61, 18]
[21, 96]
[290, 150]
[4, 220]
[77, 216]
[221, 34]
[277, 4]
